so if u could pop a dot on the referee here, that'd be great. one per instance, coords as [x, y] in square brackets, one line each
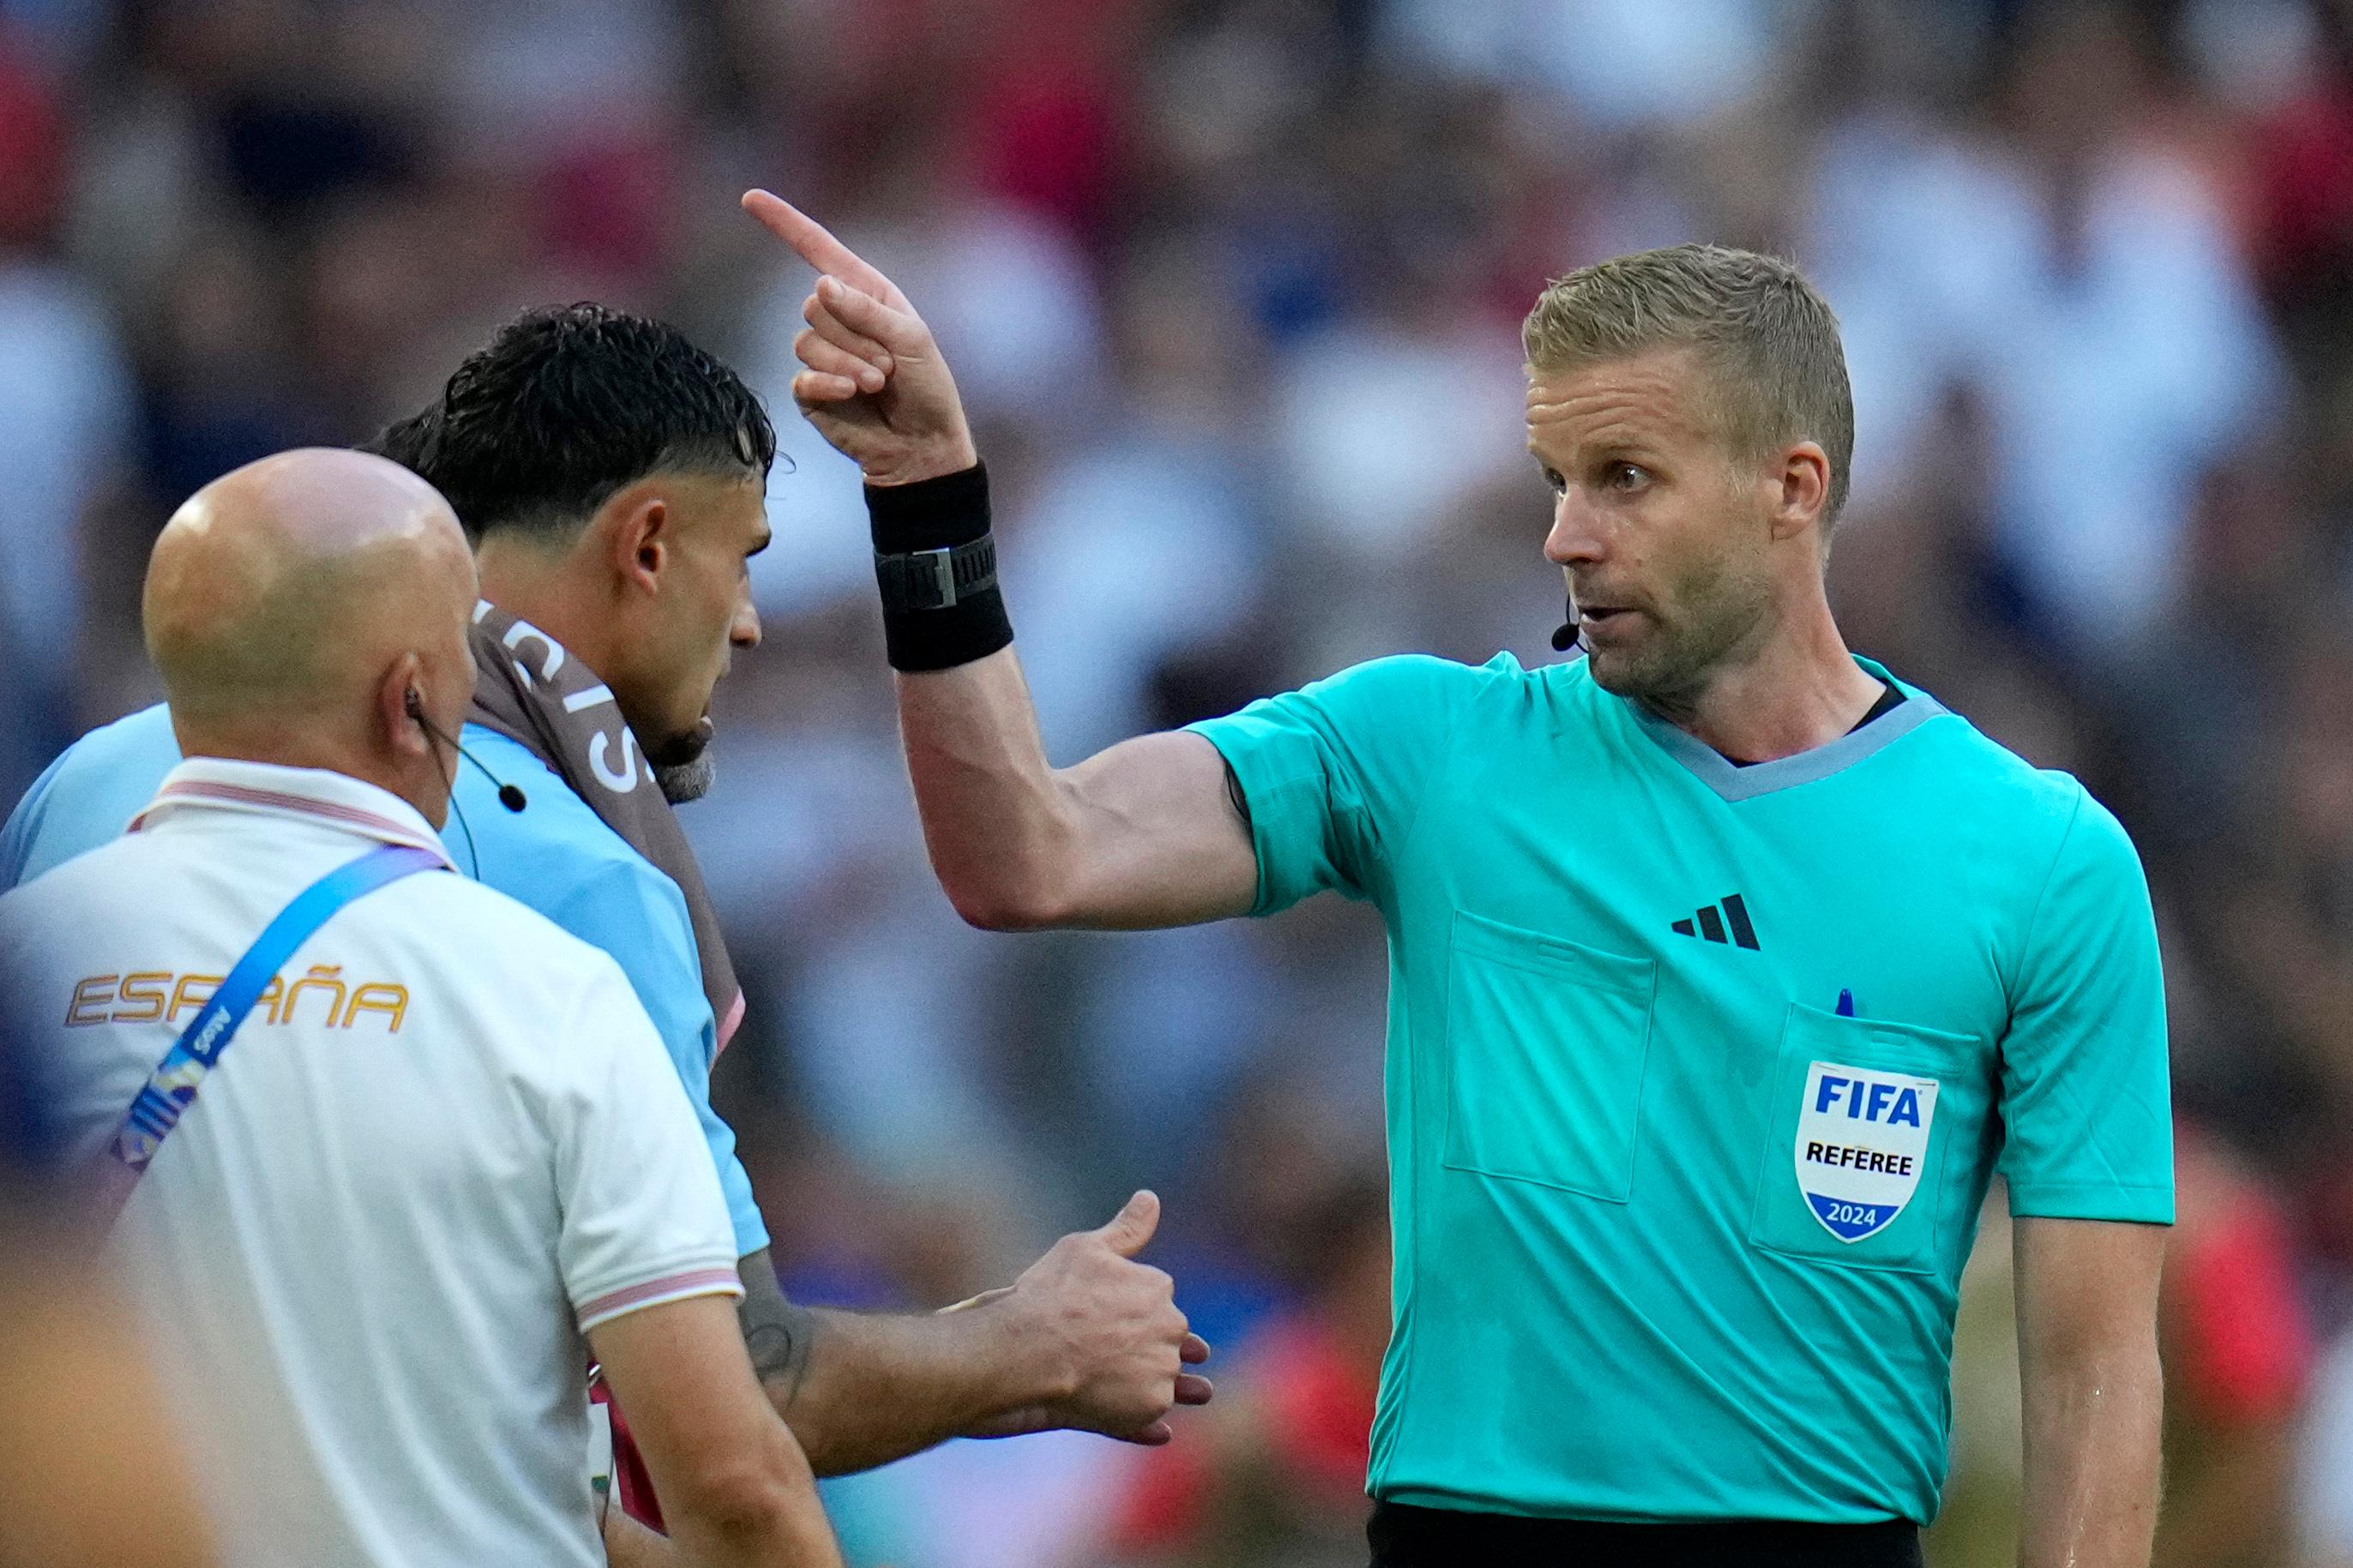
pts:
[1727, 968]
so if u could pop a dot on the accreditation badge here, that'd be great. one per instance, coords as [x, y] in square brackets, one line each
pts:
[1863, 1139]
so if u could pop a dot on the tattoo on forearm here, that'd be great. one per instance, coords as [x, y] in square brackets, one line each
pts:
[779, 1335]
[780, 1347]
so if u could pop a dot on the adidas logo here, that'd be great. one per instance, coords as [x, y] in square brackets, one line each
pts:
[1711, 926]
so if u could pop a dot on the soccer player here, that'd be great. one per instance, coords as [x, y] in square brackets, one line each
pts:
[611, 476]
[1727, 967]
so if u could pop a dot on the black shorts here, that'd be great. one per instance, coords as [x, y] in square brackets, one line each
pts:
[1407, 1537]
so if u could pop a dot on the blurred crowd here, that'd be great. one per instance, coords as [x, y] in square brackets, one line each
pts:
[1232, 288]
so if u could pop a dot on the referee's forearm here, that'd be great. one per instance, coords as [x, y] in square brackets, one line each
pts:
[999, 829]
[991, 809]
[2092, 1466]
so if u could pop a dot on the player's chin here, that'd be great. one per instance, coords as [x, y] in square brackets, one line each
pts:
[682, 763]
[682, 748]
[684, 782]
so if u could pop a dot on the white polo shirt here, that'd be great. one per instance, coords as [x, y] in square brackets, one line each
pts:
[443, 1146]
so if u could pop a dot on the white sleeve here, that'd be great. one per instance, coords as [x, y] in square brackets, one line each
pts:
[643, 1219]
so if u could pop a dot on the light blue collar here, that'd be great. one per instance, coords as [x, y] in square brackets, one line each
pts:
[1738, 784]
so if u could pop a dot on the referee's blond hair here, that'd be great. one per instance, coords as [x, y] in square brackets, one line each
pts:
[1771, 340]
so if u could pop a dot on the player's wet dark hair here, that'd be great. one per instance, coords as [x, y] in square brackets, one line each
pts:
[567, 405]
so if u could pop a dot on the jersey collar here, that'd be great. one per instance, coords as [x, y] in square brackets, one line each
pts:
[1739, 783]
[315, 796]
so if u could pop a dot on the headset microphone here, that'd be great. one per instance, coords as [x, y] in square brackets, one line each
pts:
[1566, 638]
[510, 796]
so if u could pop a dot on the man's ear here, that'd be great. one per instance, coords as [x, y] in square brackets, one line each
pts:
[1805, 490]
[400, 707]
[640, 538]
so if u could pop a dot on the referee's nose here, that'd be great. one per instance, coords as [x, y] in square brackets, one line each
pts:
[1575, 540]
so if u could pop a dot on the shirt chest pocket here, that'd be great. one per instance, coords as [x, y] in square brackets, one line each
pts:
[1546, 1044]
[1864, 1118]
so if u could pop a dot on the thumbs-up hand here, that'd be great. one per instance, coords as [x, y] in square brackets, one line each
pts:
[1113, 1344]
[1126, 1231]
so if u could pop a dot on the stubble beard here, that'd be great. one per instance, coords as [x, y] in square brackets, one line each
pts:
[684, 782]
[1716, 618]
[682, 765]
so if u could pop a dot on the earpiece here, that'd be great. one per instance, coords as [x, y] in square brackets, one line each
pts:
[510, 796]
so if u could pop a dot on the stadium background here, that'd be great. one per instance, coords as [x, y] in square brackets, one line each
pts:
[1232, 288]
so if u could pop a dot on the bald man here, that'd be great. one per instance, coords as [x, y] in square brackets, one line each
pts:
[439, 1160]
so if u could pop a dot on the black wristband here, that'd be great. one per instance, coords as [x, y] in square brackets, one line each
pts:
[941, 605]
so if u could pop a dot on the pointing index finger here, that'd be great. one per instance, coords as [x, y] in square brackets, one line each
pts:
[814, 243]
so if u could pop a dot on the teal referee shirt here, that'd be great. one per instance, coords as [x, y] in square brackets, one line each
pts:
[1698, 1074]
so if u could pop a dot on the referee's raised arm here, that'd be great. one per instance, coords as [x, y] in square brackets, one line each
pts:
[1146, 833]
[1696, 1123]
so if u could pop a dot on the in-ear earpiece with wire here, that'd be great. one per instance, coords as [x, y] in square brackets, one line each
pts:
[510, 796]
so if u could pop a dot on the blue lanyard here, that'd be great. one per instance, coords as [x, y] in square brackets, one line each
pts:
[173, 1089]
